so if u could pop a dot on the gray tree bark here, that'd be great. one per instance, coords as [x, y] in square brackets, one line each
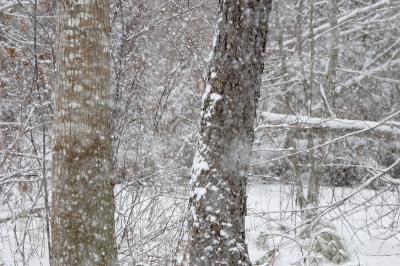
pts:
[83, 197]
[333, 50]
[218, 201]
[313, 182]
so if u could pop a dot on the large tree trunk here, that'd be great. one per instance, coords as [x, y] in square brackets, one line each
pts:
[218, 201]
[83, 197]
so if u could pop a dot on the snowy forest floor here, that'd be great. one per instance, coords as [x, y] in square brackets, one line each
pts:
[367, 223]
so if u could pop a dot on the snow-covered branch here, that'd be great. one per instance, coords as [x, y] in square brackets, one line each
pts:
[346, 18]
[272, 120]
[22, 214]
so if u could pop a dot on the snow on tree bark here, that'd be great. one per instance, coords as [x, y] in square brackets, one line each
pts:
[83, 197]
[218, 200]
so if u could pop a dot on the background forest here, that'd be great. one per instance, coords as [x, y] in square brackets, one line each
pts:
[326, 133]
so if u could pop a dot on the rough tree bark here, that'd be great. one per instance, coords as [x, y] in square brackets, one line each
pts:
[218, 201]
[83, 197]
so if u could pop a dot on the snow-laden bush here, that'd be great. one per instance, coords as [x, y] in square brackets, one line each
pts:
[322, 241]
[268, 259]
[328, 244]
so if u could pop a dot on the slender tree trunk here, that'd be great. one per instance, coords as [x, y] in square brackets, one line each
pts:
[83, 197]
[333, 50]
[300, 197]
[218, 201]
[288, 98]
[313, 183]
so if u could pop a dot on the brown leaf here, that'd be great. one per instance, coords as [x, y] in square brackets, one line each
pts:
[11, 52]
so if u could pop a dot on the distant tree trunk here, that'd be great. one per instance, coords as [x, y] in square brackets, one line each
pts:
[83, 197]
[334, 49]
[313, 182]
[218, 201]
[290, 139]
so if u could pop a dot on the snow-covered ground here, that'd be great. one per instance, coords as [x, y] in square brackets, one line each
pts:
[367, 222]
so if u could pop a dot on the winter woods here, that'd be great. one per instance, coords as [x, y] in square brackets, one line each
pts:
[116, 124]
